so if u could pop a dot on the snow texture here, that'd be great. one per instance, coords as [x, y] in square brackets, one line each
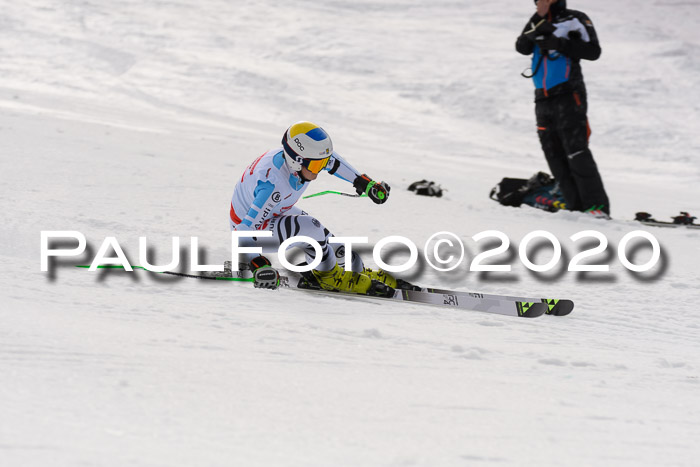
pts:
[128, 119]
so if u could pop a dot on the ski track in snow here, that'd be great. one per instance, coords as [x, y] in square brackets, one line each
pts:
[131, 119]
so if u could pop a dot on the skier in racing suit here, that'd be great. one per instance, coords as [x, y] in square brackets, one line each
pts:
[264, 198]
[558, 39]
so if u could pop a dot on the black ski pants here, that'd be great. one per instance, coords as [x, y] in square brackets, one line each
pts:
[562, 126]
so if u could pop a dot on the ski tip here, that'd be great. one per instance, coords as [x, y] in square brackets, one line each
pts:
[557, 307]
[530, 309]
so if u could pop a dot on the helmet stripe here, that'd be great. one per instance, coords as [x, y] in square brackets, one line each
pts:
[317, 134]
[301, 127]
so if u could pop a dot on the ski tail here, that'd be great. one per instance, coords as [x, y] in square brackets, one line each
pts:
[556, 307]
[530, 309]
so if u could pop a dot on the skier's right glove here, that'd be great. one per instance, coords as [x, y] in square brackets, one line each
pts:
[264, 275]
[376, 191]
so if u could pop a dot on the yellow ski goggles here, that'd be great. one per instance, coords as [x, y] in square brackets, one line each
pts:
[315, 165]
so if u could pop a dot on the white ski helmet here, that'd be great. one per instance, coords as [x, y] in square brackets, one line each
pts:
[306, 145]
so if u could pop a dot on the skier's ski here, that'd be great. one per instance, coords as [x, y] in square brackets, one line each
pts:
[464, 301]
[530, 307]
[558, 307]
[555, 307]
[445, 298]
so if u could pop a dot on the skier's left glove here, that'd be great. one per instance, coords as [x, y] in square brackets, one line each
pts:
[264, 275]
[376, 191]
[551, 42]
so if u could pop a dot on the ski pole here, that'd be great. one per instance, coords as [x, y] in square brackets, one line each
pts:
[331, 192]
[180, 274]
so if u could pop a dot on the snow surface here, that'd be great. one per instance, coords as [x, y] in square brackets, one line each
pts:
[134, 119]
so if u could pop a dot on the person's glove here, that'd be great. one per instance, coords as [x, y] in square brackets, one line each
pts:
[574, 36]
[550, 42]
[376, 191]
[264, 275]
[538, 28]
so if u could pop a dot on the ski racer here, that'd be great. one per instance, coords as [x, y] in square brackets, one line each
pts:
[558, 38]
[264, 199]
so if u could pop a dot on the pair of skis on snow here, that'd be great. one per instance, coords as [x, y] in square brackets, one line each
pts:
[522, 307]
[682, 220]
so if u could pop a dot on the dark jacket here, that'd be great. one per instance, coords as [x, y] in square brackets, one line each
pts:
[557, 71]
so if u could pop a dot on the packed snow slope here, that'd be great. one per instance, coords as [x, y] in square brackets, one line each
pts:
[129, 119]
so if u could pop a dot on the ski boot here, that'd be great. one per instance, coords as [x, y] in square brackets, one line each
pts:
[386, 278]
[644, 217]
[337, 279]
[597, 212]
[684, 219]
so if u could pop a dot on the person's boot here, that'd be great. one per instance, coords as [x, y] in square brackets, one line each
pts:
[343, 281]
[389, 280]
[598, 212]
[381, 276]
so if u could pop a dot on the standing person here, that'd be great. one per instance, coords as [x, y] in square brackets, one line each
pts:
[558, 38]
[264, 199]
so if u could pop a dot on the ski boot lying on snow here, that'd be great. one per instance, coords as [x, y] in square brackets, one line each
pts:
[683, 219]
[539, 191]
[426, 188]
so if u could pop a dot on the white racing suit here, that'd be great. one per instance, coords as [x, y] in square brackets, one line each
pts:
[264, 200]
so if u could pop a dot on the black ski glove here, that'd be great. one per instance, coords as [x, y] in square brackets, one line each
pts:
[264, 275]
[550, 42]
[376, 191]
[574, 36]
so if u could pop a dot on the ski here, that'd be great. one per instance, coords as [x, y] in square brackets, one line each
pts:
[670, 225]
[517, 308]
[555, 307]
[682, 220]
[443, 298]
